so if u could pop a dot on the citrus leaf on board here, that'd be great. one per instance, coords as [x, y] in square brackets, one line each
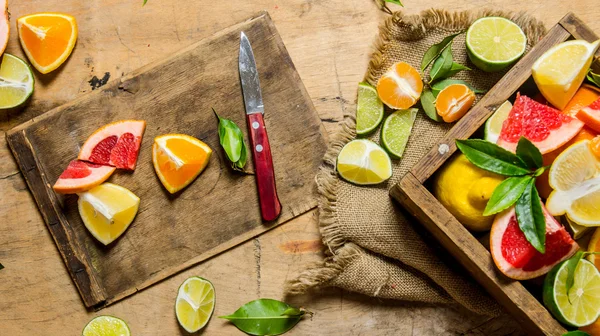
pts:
[265, 317]
[491, 157]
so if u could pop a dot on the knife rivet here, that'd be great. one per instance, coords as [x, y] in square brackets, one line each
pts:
[255, 125]
[259, 148]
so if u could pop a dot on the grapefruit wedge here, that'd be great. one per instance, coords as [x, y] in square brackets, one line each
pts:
[543, 125]
[116, 144]
[4, 25]
[81, 176]
[516, 257]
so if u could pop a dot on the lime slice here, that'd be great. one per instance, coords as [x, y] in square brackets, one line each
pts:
[396, 130]
[105, 325]
[16, 82]
[584, 307]
[494, 43]
[195, 303]
[363, 162]
[493, 125]
[369, 109]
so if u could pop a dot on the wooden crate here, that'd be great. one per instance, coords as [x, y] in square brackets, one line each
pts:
[418, 200]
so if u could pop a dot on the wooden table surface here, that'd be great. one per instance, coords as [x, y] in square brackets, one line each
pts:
[329, 42]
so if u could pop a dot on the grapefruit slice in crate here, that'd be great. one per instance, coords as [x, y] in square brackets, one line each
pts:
[116, 144]
[81, 176]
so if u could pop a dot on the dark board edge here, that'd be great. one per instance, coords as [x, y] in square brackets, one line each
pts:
[75, 258]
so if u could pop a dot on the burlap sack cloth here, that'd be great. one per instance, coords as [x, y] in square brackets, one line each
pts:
[373, 247]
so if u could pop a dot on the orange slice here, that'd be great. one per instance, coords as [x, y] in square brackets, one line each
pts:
[454, 101]
[47, 39]
[400, 87]
[178, 159]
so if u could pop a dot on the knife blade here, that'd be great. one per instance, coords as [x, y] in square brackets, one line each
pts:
[270, 207]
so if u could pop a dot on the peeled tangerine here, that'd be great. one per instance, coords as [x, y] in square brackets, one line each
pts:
[575, 178]
[400, 87]
[464, 190]
[454, 101]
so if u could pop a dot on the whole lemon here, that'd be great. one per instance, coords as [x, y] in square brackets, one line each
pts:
[464, 190]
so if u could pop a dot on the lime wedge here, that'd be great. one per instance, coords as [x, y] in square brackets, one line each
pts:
[494, 43]
[105, 325]
[369, 109]
[363, 162]
[195, 303]
[584, 306]
[396, 130]
[16, 82]
[493, 125]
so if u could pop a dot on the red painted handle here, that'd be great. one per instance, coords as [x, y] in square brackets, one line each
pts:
[263, 164]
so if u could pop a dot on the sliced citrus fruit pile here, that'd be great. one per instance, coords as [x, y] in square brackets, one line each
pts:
[105, 325]
[81, 176]
[494, 43]
[47, 39]
[543, 125]
[590, 115]
[369, 109]
[575, 178]
[363, 162]
[581, 305]
[178, 159]
[400, 87]
[396, 131]
[116, 144]
[107, 210]
[454, 101]
[516, 257]
[16, 82]
[493, 126]
[560, 71]
[195, 303]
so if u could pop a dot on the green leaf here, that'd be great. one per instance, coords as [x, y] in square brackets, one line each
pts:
[529, 153]
[239, 165]
[397, 2]
[436, 50]
[456, 68]
[439, 86]
[144, 2]
[571, 266]
[506, 194]
[594, 78]
[540, 171]
[491, 157]
[265, 317]
[576, 333]
[232, 141]
[428, 104]
[531, 217]
[442, 65]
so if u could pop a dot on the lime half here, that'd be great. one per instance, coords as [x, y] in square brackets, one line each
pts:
[369, 109]
[396, 130]
[494, 43]
[105, 325]
[493, 126]
[16, 82]
[195, 303]
[363, 162]
[584, 306]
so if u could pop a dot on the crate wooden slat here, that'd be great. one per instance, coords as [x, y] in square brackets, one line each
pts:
[417, 199]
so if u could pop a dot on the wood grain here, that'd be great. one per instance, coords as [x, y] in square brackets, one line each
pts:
[220, 209]
[414, 195]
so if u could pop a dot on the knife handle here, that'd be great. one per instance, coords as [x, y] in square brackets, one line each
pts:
[263, 164]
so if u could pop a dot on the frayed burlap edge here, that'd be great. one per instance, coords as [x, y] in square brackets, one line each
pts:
[341, 253]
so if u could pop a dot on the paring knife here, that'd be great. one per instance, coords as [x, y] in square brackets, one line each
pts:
[270, 207]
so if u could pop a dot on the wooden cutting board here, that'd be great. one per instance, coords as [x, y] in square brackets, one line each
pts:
[216, 212]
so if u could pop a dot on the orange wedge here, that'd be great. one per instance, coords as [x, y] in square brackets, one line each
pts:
[400, 87]
[47, 39]
[454, 101]
[178, 159]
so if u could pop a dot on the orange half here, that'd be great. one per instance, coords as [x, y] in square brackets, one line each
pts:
[400, 87]
[178, 159]
[47, 39]
[454, 101]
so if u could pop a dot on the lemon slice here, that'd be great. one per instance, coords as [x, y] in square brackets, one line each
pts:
[105, 325]
[363, 162]
[493, 126]
[560, 71]
[107, 210]
[195, 303]
[575, 178]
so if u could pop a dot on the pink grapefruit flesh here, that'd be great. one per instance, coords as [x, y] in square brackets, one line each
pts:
[116, 144]
[4, 25]
[517, 258]
[81, 176]
[543, 125]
